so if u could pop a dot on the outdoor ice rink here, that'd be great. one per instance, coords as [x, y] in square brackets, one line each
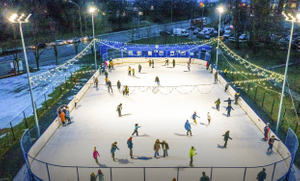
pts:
[161, 112]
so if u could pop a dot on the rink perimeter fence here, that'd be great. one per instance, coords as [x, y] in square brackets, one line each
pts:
[40, 170]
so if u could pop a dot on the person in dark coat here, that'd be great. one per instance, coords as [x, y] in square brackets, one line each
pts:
[118, 85]
[130, 146]
[262, 175]
[156, 148]
[113, 149]
[149, 63]
[157, 81]
[119, 109]
[226, 137]
[109, 86]
[140, 68]
[129, 71]
[229, 101]
[152, 62]
[218, 102]
[165, 147]
[204, 177]
[229, 110]
[236, 97]
[271, 143]
[188, 128]
[216, 77]
[226, 87]
[173, 63]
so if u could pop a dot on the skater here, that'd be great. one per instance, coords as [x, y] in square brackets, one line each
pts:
[100, 175]
[236, 97]
[96, 82]
[62, 117]
[67, 114]
[218, 102]
[126, 90]
[106, 80]
[207, 65]
[140, 68]
[271, 143]
[118, 85]
[113, 149]
[194, 117]
[75, 100]
[95, 155]
[226, 137]
[157, 81]
[136, 127]
[149, 62]
[133, 72]
[109, 67]
[188, 127]
[109, 87]
[225, 72]
[111, 64]
[189, 66]
[262, 175]
[173, 63]
[226, 87]
[152, 62]
[211, 68]
[191, 155]
[106, 73]
[216, 76]
[208, 118]
[266, 131]
[129, 71]
[229, 101]
[229, 110]
[204, 177]
[156, 148]
[92, 177]
[130, 146]
[165, 147]
[119, 109]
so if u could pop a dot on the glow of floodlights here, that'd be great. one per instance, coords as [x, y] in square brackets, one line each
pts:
[220, 9]
[92, 9]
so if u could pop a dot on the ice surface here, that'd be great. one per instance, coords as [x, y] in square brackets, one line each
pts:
[161, 116]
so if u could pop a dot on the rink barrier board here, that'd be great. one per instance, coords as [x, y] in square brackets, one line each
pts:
[49, 132]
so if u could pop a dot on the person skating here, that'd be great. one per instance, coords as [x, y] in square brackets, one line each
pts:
[119, 85]
[140, 68]
[130, 146]
[189, 66]
[208, 118]
[236, 97]
[106, 80]
[188, 128]
[106, 73]
[225, 71]
[100, 176]
[211, 68]
[194, 117]
[119, 109]
[226, 86]
[218, 102]
[229, 101]
[62, 117]
[271, 143]
[226, 137]
[133, 72]
[75, 101]
[111, 63]
[262, 175]
[152, 62]
[266, 131]
[191, 155]
[96, 82]
[204, 177]
[67, 114]
[216, 76]
[95, 155]
[129, 71]
[157, 81]
[165, 147]
[113, 149]
[207, 65]
[125, 90]
[229, 110]
[109, 88]
[173, 63]
[136, 127]
[156, 148]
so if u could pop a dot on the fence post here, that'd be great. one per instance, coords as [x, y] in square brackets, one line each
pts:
[255, 93]
[46, 101]
[262, 104]
[273, 171]
[248, 88]
[211, 173]
[48, 172]
[177, 173]
[12, 130]
[25, 119]
[245, 174]
[77, 173]
[144, 173]
[272, 106]
[110, 169]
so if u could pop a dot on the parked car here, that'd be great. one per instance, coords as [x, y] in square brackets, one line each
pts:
[39, 46]
[232, 39]
[60, 42]
[180, 32]
[87, 38]
[203, 36]
[165, 33]
[243, 38]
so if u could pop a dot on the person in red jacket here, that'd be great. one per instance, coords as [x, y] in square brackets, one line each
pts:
[266, 131]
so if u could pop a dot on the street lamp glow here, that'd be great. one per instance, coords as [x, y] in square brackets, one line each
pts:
[13, 17]
[298, 16]
[220, 9]
[92, 9]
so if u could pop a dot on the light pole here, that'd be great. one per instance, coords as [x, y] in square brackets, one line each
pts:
[79, 16]
[21, 19]
[92, 10]
[220, 10]
[292, 19]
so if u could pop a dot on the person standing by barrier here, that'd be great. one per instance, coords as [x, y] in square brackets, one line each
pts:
[194, 117]
[113, 149]
[229, 110]
[92, 177]
[140, 68]
[156, 148]
[204, 177]
[262, 175]
[119, 85]
[95, 155]
[136, 127]
[129, 71]
[62, 117]
[173, 63]
[67, 114]
[165, 147]
[266, 131]
[207, 65]
[130, 146]
[191, 155]
[218, 102]
[226, 137]
[188, 128]
[189, 66]
[236, 97]
[271, 143]
[100, 175]
[75, 100]
[119, 109]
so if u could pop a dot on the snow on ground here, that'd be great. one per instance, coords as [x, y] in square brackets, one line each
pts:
[162, 116]
[15, 94]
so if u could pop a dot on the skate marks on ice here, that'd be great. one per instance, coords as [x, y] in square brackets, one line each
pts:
[102, 165]
[204, 124]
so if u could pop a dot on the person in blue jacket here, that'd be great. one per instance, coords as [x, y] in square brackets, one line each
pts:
[194, 117]
[136, 127]
[113, 149]
[130, 146]
[188, 128]
[228, 110]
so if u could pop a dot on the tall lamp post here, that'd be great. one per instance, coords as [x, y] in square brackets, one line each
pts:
[79, 16]
[21, 19]
[292, 19]
[220, 10]
[92, 10]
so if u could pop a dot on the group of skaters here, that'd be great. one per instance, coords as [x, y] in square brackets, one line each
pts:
[63, 113]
